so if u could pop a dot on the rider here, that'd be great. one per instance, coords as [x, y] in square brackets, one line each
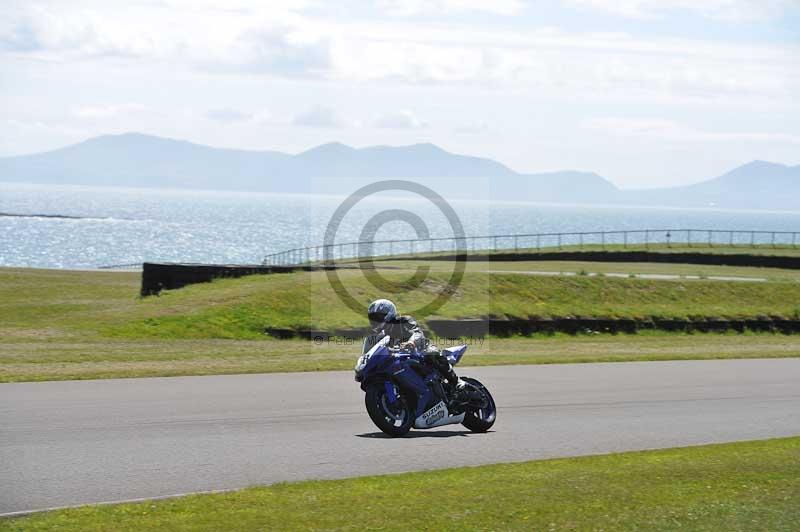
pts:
[403, 330]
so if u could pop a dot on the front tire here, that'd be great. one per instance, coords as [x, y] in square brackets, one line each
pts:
[480, 418]
[394, 420]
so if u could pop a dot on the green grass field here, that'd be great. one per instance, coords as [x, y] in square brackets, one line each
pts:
[45, 302]
[733, 487]
[625, 268]
[78, 325]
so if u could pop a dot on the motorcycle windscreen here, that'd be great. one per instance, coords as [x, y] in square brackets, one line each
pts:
[373, 355]
[454, 354]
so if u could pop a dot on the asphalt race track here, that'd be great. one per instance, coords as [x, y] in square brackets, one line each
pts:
[68, 443]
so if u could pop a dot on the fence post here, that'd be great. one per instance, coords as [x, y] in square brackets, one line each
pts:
[625, 239]
[794, 240]
[731, 242]
[603, 237]
[752, 239]
[559, 240]
[516, 247]
[773, 239]
[647, 239]
[709, 239]
[689, 237]
[538, 242]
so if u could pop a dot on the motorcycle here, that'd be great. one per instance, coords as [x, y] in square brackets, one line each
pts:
[402, 390]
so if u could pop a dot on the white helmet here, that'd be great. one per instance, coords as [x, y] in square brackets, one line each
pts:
[379, 312]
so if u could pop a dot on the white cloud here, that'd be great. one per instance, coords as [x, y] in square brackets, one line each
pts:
[727, 10]
[473, 128]
[669, 130]
[566, 65]
[93, 112]
[19, 135]
[279, 51]
[407, 8]
[320, 116]
[228, 116]
[400, 120]
[263, 40]
[280, 42]
[53, 32]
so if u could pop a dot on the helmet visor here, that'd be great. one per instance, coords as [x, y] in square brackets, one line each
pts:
[376, 320]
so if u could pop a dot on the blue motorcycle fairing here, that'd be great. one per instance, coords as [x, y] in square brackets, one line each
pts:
[381, 364]
[454, 354]
[376, 357]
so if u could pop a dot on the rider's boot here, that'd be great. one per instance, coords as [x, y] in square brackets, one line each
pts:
[452, 378]
[454, 386]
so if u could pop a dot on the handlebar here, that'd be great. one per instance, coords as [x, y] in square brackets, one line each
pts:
[399, 350]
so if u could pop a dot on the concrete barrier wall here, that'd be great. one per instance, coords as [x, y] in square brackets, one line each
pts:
[712, 259]
[569, 325]
[169, 276]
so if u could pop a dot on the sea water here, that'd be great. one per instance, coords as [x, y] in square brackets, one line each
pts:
[121, 225]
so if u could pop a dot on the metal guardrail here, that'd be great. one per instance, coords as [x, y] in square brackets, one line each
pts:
[538, 241]
[130, 267]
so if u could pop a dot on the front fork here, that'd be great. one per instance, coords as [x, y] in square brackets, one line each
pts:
[391, 394]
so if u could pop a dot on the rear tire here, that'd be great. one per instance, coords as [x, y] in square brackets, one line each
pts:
[482, 419]
[394, 420]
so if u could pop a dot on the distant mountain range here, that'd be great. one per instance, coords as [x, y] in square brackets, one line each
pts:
[137, 160]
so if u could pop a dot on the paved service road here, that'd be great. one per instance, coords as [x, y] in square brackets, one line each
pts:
[67, 443]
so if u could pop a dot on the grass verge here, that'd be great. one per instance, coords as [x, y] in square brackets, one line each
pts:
[739, 486]
[111, 358]
[627, 268]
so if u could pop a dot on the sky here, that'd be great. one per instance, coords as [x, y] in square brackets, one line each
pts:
[644, 92]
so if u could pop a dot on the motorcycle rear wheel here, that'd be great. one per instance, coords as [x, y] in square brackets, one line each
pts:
[480, 419]
[393, 420]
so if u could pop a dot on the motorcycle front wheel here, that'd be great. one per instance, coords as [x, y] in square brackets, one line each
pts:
[393, 419]
[480, 418]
